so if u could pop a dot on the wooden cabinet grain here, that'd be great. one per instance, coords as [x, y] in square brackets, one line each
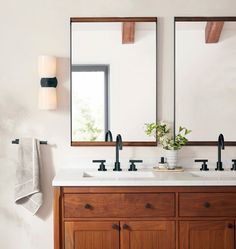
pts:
[91, 235]
[207, 204]
[124, 235]
[206, 234]
[147, 235]
[119, 205]
[144, 217]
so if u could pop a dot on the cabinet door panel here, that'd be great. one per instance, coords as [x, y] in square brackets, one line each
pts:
[148, 235]
[206, 234]
[91, 235]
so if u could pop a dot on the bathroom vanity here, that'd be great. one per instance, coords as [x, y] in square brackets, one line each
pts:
[144, 209]
[190, 210]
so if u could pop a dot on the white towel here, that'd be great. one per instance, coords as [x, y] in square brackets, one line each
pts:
[27, 186]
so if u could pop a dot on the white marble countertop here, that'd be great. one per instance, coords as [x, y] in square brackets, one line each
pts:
[83, 177]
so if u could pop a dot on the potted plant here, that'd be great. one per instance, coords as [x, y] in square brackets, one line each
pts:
[170, 143]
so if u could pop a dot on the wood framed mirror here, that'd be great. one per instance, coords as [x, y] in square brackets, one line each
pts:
[205, 78]
[113, 80]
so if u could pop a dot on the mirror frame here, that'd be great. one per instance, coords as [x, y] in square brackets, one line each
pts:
[197, 19]
[108, 19]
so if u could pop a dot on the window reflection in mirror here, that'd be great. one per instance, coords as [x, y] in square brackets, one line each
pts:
[89, 102]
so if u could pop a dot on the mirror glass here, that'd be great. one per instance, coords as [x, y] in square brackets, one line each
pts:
[113, 80]
[205, 78]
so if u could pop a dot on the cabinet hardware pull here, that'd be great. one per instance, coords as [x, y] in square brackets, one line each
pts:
[125, 226]
[115, 226]
[148, 205]
[230, 225]
[207, 204]
[87, 206]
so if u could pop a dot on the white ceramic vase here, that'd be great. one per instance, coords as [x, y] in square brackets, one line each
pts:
[171, 156]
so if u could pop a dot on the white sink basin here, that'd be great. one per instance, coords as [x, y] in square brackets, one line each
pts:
[119, 174]
[214, 174]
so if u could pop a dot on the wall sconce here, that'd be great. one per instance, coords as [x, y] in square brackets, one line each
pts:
[47, 92]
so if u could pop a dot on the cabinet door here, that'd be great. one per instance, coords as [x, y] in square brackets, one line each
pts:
[148, 235]
[91, 235]
[206, 234]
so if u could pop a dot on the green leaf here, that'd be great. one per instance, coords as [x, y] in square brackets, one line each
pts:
[164, 136]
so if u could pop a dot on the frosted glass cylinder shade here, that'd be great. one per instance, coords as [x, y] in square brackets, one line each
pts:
[47, 66]
[47, 98]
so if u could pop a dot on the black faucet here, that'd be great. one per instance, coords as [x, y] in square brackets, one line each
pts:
[118, 147]
[221, 146]
[108, 136]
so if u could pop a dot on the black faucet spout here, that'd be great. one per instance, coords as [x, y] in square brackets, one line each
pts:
[221, 146]
[119, 146]
[108, 136]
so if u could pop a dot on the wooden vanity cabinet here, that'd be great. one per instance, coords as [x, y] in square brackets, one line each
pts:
[144, 217]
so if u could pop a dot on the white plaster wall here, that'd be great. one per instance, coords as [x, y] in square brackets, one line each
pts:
[31, 28]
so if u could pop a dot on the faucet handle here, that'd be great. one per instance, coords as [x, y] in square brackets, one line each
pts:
[234, 164]
[204, 164]
[133, 166]
[102, 166]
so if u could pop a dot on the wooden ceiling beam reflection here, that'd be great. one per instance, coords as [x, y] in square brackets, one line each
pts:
[213, 31]
[128, 32]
